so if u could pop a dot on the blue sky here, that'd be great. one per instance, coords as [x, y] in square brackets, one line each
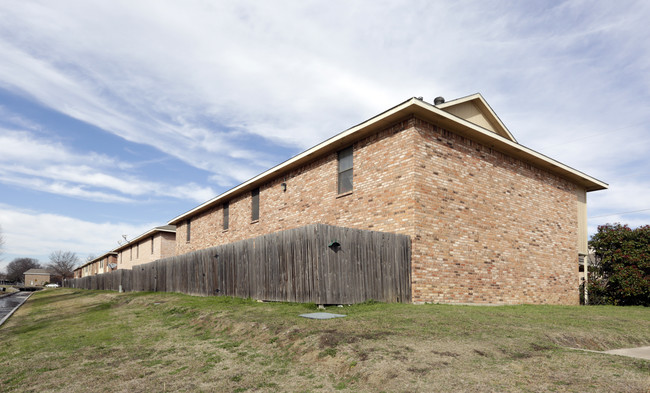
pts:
[118, 116]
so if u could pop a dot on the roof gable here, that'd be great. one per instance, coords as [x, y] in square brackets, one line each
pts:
[476, 110]
[37, 271]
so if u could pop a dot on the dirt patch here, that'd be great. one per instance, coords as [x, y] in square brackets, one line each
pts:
[373, 335]
[540, 348]
[445, 353]
[332, 338]
[418, 370]
[574, 341]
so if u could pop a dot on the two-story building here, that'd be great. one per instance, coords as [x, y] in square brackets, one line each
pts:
[156, 243]
[490, 220]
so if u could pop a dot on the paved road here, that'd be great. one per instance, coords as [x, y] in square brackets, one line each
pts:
[9, 304]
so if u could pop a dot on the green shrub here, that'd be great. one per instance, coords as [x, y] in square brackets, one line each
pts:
[621, 271]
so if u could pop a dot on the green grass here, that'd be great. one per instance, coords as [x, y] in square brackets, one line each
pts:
[94, 341]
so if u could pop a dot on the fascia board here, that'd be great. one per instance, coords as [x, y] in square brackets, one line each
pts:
[483, 106]
[409, 107]
[142, 236]
[336, 142]
[97, 259]
[498, 142]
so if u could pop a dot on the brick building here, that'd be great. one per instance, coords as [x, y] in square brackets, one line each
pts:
[157, 243]
[36, 277]
[102, 264]
[490, 220]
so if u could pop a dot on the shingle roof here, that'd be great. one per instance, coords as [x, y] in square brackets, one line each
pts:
[37, 271]
[426, 111]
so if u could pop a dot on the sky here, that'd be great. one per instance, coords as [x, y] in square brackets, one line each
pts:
[116, 117]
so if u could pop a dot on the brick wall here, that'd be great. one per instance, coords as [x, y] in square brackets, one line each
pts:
[167, 242]
[490, 229]
[381, 199]
[485, 228]
[36, 279]
[164, 244]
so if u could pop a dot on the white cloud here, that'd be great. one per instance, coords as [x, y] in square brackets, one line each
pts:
[153, 77]
[204, 81]
[622, 196]
[35, 234]
[49, 166]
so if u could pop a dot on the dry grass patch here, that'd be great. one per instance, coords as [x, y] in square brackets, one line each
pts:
[92, 341]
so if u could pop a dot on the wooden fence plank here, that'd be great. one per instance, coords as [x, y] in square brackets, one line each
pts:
[294, 265]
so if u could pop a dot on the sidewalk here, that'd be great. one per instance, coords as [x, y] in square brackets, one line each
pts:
[641, 352]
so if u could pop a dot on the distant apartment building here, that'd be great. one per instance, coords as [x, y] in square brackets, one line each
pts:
[157, 243]
[36, 277]
[490, 220]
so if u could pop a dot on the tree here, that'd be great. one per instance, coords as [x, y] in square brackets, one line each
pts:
[2, 243]
[621, 274]
[63, 263]
[17, 267]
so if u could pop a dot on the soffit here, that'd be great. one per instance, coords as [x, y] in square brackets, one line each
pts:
[476, 110]
[435, 114]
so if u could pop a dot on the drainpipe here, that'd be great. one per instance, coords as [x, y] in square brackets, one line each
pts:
[585, 263]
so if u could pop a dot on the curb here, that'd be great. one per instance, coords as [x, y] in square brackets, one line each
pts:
[3, 320]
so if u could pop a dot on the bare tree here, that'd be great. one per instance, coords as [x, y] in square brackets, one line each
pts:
[63, 263]
[17, 267]
[2, 243]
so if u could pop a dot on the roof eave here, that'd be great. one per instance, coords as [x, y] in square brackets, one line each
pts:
[142, 236]
[337, 142]
[402, 111]
[500, 143]
[484, 107]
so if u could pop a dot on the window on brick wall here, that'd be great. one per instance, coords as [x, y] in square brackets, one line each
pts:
[131, 253]
[345, 170]
[151, 244]
[137, 251]
[188, 228]
[226, 215]
[255, 204]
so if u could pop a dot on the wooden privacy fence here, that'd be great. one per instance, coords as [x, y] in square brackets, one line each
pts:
[317, 263]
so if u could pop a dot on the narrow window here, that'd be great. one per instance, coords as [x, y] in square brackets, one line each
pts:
[188, 230]
[345, 170]
[152, 244]
[226, 215]
[131, 253]
[255, 202]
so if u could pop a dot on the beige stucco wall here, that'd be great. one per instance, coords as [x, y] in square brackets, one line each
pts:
[581, 196]
[158, 245]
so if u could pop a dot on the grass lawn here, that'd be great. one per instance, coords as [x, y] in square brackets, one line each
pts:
[65, 340]
[7, 289]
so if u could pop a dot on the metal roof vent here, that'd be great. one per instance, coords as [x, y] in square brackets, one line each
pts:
[438, 100]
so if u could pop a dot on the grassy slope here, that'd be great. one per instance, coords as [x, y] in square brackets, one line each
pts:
[96, 341]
